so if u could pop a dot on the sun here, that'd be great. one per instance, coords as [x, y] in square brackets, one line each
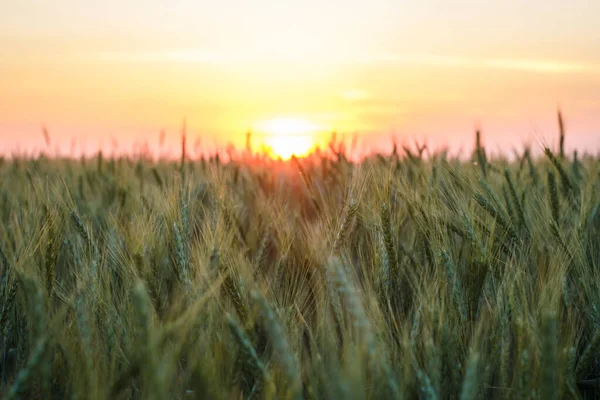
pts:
[288, 146]
[289, 136]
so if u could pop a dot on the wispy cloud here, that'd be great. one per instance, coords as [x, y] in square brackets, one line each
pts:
[355, 95]
[170, 56]
[548, 66]
[415, 59]
[201, 56]
[516, 64]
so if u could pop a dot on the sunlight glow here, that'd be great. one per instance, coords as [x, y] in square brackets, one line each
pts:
[288, 136]
[288, 146]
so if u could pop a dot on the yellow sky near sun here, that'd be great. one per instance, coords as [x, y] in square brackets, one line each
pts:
[97, 71]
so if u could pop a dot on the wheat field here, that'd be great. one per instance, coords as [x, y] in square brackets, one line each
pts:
[408, 275]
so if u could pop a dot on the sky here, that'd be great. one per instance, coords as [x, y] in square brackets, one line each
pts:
[115, 74]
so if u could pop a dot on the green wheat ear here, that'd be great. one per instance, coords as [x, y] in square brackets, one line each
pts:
[250, 356]
[282, 351]
[454, 281]
[553, 198]
[142, 306]
[470, 386]
[8, 305]
[549, 389]
[515, 199]
[386, 228]
[561, 132]
[569, 187]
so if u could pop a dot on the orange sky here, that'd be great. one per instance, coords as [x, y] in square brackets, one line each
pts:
[94, 72]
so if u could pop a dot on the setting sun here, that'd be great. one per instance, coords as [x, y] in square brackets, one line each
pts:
[288, 146]
[287, 136]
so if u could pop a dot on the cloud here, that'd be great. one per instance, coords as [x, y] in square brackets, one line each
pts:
[171, 56]
[386, 58]
[515, 64]
[355, 95]
[418, 60]
[549, 66]
[200, 56]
